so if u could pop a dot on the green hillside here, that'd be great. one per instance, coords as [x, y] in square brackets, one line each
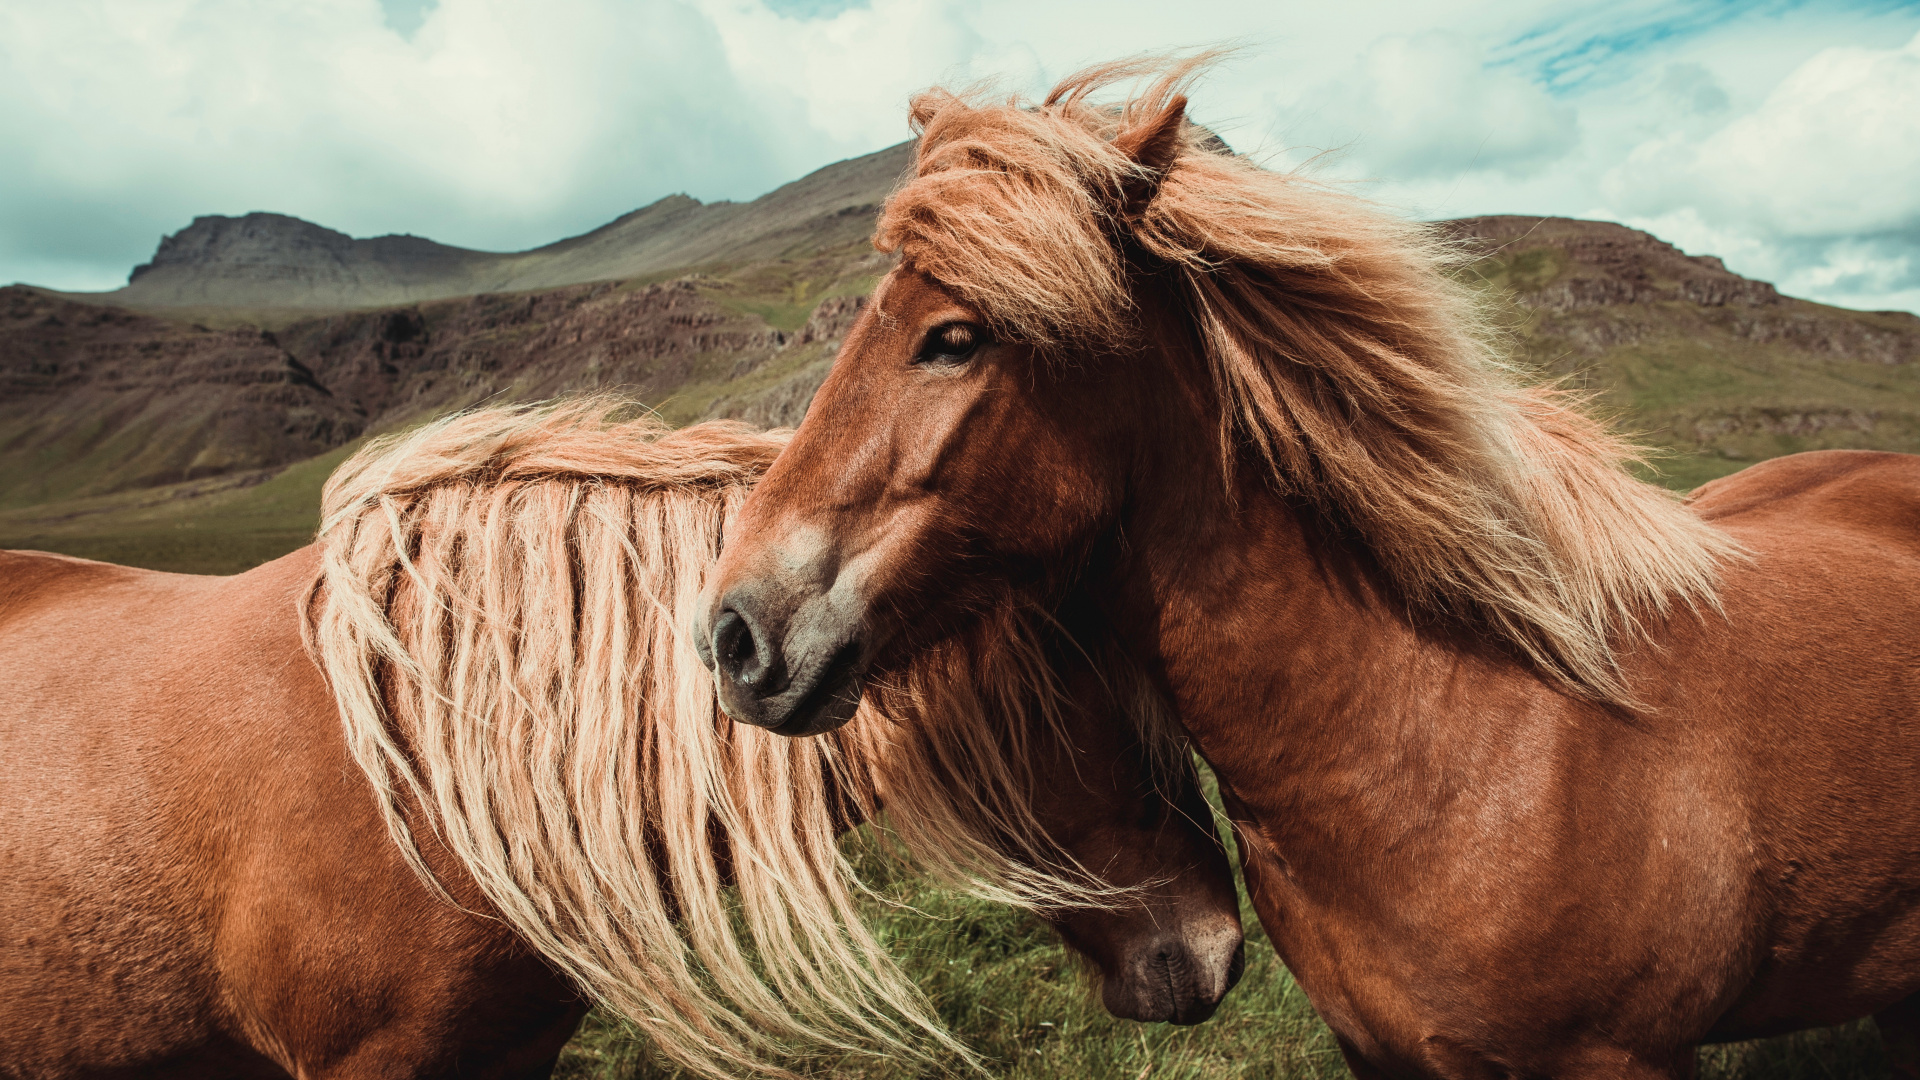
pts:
[1713, 370]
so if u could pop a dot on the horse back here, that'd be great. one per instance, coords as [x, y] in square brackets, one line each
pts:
[1865, 491]
[1806, 701]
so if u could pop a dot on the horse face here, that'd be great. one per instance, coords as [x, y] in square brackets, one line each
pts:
[1172, 955]
[1091, 810]
[935, 465]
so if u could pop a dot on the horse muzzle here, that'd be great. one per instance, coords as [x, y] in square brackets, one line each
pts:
[793, 665]
[1177, 979]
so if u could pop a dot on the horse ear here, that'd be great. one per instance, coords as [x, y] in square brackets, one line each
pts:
[1152, 144]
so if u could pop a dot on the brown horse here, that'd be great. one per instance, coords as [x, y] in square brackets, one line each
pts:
[233, 811]
[1536, 770]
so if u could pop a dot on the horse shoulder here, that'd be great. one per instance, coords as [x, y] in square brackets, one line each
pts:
[319, 907]
[95, 934]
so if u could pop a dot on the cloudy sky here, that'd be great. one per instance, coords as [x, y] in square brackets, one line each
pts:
[1784, 137]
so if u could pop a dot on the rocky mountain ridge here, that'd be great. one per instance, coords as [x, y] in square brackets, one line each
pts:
[97, 399]
[1561, 267]
[262, 258]
[1718, 368]
[266, 260]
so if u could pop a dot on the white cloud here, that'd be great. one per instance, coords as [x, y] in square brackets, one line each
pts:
[1834, 150]
[1772, 137]
[496, 125]
[1817, 187]
[1430, 105]
[854, 71]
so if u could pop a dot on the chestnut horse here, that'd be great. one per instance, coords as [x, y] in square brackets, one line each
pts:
[404, 802]
[1536, 771]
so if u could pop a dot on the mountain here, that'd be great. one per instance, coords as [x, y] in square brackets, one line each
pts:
[178, 432]
[274, 261]
[1718, 369]
[96, 399]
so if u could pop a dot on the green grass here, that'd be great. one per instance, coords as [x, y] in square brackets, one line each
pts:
[1030, 1009]
[221, 526]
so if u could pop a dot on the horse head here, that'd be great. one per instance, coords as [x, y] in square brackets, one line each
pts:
[959, 448]
[1105, 345]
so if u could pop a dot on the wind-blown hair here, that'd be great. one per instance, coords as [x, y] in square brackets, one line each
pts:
[1348, 363]
[499, 617]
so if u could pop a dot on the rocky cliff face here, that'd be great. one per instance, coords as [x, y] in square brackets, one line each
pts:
[1560, 264]
[1719, 367]
[648, 342]
[784, 403]
[98, 399]
[272, 259]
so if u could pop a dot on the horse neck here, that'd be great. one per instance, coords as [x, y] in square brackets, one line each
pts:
[1324, 706]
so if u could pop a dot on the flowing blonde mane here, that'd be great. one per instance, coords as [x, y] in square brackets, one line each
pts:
[499, 616]
[1348, 363]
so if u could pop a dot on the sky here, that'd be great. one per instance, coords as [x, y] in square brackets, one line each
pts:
[1782, 136]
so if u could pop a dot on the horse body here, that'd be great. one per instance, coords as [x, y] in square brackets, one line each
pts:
[1471, 872]
[1824, 734]
[201, 878]
[1535, 772]
[196, 879]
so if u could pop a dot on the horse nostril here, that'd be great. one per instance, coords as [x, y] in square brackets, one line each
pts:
[742, 655]
[1236, 967]
[1168, 966]
[734, 650]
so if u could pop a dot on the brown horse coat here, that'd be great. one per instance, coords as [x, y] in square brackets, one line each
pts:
[1536, 773]
[196, 879]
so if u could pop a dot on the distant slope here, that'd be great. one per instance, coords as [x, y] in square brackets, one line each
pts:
[96, 399]
[266, 260]
[123, 432]
[1720, 369]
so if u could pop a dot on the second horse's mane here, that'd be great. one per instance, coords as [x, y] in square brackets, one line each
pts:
[500, 617]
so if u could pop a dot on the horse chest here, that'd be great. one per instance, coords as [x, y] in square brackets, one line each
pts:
[1495, 944]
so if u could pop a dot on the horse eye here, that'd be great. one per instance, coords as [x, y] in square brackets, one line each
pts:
[953, 343]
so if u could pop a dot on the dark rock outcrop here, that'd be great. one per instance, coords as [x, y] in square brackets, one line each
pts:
[96, 399]
[1601, 264]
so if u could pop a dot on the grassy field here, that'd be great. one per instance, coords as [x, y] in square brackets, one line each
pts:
[1031, 1010]
[220, 526]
